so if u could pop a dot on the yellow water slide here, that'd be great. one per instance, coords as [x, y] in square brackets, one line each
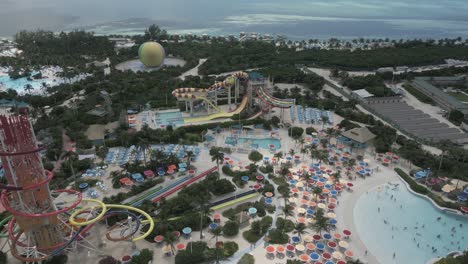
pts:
[190, 94]
[239, 109]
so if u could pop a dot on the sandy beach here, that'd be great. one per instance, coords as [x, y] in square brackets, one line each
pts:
[345, 209]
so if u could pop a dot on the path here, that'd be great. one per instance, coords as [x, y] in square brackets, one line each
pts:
[193, 71]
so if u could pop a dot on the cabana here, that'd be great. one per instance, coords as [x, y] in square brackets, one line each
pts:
[148, 174]
[126, 181]
[138, 177]
[358, 137]
[422, 174]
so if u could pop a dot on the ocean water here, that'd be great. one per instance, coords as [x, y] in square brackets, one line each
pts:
[410, 231]
[297, 19]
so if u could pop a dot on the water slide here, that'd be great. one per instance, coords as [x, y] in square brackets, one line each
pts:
[273, 101]
[263, 111]
[189, 94]
[174, 189]
[236, 111]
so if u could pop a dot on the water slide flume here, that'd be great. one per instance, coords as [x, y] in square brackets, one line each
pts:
[238, 110]
[191, 94]
[273, 101]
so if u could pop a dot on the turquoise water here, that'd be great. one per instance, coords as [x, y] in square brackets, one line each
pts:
[257, 142]
[419, 217]
[297, 18]
[18, 84]
[169, 118]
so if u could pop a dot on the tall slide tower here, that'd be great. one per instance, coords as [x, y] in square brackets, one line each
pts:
[27, 196]
[46, 223]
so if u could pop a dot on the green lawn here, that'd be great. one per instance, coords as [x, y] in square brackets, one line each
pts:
[460, 96]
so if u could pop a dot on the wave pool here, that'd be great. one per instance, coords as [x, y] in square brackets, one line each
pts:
[391, 220]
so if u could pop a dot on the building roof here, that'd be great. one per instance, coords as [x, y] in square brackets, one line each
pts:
[363, 93]
[424, 82]
[359, 134]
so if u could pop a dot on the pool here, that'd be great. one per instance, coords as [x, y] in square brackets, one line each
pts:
[415, 223]
[18, 84]
[254, 142]
[166, 118]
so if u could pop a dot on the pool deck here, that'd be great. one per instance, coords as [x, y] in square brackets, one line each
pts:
[345, 210]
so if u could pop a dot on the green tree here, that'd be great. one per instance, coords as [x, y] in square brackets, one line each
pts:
[189, 155]
[321, 222]
[144, 146]
[316, 191]
[216, 155]
[145, 256]
[169, 240]
[300, 229]
[155, 33]
[108, 260]
[231, 228]
[255, 156]
[247, 259]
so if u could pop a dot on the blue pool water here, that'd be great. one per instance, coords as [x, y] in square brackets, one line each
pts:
[257, 142]
[172, 118]
[18, 84]
[419, 217]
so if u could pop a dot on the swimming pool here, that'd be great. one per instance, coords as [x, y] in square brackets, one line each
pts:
[410, 231]
[165, 118]
[254, 142]
[18, 84]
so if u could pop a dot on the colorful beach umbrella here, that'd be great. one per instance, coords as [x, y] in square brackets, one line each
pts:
[300, 247]
[326, 256]
[314, 256]
[310, 246]
[349, 253]
[280, 249]
[343, 244]
[180, 246]
[270, 249]
[304, 257]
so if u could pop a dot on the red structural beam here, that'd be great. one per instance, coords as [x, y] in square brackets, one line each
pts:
[178, 187]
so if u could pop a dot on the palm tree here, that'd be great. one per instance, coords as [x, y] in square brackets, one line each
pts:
[301, 141]
[286, 197]
[144, 146]
[292, 152]
[189, 154]
[287, 211]
[216, 155]
[316, 191]
[169, 239]
[300, 229]
[28, 88]
[216, 233]
[321, 222]
[278, 155]
[157, 155]
[204, 208]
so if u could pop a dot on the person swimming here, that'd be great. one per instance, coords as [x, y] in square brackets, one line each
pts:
[438, 218]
